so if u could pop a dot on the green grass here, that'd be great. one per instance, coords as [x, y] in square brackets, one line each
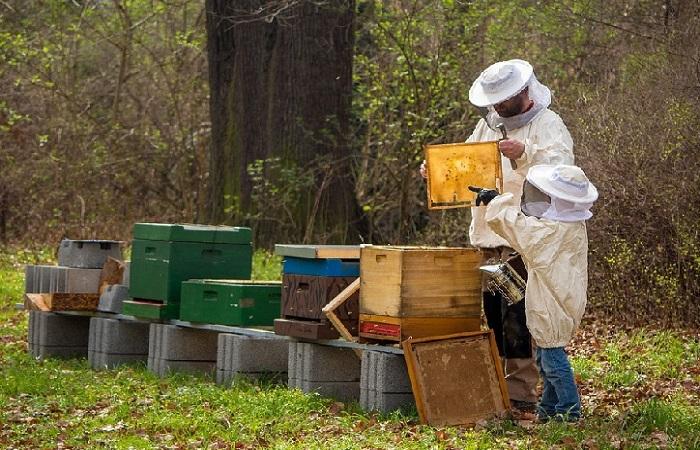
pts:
[52, 403]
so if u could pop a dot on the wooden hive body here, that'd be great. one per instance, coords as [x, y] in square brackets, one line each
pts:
[419, 291]
[313, 276]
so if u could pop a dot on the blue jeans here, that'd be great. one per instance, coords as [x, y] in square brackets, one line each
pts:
[560, 395]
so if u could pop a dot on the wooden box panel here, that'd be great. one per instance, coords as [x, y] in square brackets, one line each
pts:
[453, 167]
[303, 297]
[457, 379]
[397, 329]
[420, 281]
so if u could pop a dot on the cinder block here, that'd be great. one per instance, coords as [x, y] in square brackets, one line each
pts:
[325, 363]
[87, 254]
[164, 367]
[113, 336]
[30, 279]
[239, 353]
[185, 344]
[112, 298]
[51, 329]
[385, 402]
[184, 350]
[227, 378]
[49, 279]
[340, 390]
[101, 361]
[384, 382]
[330, 371]
[59, 352]
[44, 278]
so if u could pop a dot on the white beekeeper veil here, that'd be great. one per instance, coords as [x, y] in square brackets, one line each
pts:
[504, 80]
[562, 193]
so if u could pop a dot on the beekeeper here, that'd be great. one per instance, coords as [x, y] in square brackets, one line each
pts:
[548, 230]
[508, 94]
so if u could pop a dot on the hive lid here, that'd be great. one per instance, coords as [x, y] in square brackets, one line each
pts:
[192, 233]
[318, 251]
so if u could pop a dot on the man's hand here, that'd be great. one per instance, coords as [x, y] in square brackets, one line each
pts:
[483, 195]
[511, 148]
[423, 170]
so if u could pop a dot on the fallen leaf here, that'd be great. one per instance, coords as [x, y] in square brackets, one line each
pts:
[336, 407]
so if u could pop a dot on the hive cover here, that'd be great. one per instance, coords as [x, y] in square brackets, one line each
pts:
[451, 168]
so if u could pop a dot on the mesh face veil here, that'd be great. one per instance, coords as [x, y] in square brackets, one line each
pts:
[533, 201]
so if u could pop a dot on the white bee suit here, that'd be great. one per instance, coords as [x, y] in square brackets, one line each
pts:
[556, 256]
[547, 141]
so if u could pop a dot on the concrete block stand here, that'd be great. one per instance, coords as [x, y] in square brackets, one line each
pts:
[114, 342]
[330, 371]
[184, 350]
[42, 279]
[87, 254]
[251, 357]
[53, 335]
[385, 385]
[112, 298]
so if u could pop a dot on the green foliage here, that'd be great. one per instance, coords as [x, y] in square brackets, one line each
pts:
[266, 266]
[111, 96]
[638, 357]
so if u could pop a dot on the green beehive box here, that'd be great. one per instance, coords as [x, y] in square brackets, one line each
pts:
[231, 302]
[165, 255]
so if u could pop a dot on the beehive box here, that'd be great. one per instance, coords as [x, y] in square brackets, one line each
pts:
[313, 276]
[231, 302]
[165, 255]
[419, 291]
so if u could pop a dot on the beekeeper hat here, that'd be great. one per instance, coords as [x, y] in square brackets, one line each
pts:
[499, 82]
[563, 182]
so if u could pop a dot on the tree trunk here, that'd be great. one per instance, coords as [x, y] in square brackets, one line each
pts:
[281, 79]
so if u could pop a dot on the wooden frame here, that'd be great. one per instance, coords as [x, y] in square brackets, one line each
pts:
[451, 168]
[427, 390]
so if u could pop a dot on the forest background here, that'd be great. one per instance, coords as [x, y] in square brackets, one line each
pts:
[104, 122]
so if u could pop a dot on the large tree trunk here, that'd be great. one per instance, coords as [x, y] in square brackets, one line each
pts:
[281, 79]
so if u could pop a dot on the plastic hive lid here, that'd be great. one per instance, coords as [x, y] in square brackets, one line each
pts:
[192, 233]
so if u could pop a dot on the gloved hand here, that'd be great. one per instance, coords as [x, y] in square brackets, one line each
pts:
[483, 195]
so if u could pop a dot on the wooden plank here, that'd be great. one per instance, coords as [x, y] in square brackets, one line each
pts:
[318, 251]
[36, 302]
[329, 311]
[456, 378]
